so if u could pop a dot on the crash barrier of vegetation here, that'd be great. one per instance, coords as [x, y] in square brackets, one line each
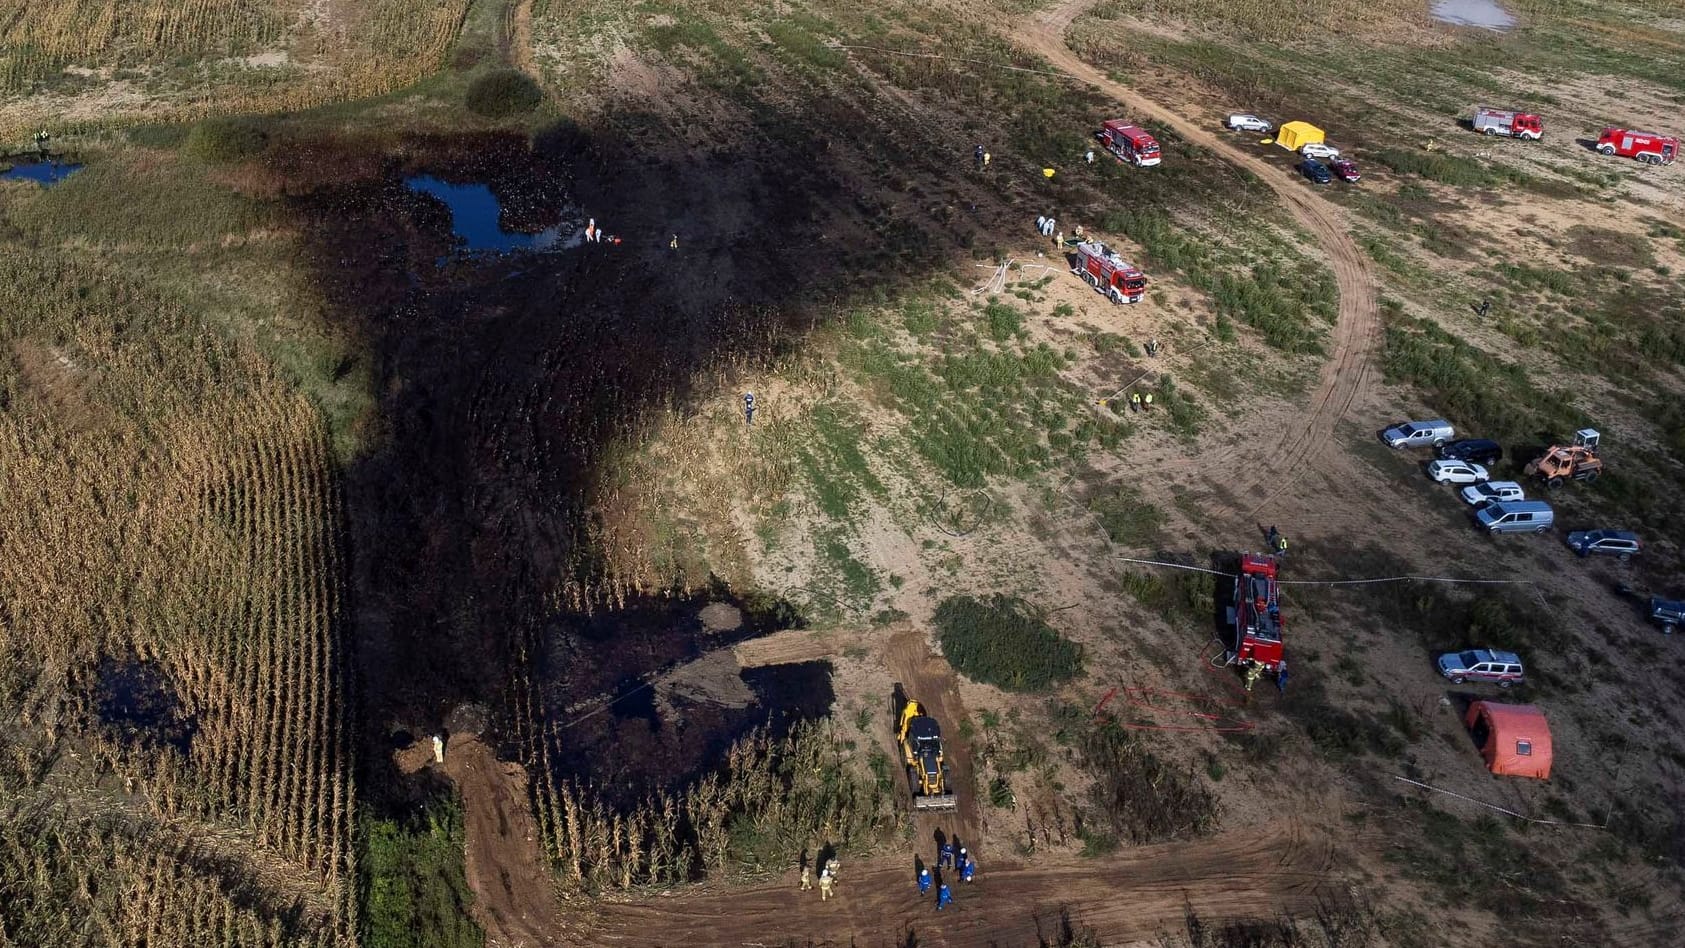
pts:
[771, 800]
[1142, 798]
[1002, 641]
[501, 93]
[172, 502]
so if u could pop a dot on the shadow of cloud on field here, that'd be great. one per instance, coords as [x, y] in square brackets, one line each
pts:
[502, 381]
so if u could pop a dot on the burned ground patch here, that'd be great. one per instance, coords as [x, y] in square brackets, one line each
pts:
[506, 382]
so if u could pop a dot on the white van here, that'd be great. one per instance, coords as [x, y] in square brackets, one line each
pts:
[1516, 516]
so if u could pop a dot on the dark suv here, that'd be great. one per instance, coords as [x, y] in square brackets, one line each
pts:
[1620, 543]
[1476, 450]
[1316, 171]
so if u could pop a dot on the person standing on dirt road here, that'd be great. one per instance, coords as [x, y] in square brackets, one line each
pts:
[1281, 676]
[967, 870]
[977, 154]
[1484, 307]
[945, 856]
[944, 898]
[674, 243]
[807, 878]
[748, 408]
[1147, 401]
[924, 881]
[1134, 401]
[987, 158]
[825, 884]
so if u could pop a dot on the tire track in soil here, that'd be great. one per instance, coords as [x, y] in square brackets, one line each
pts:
[929, 679]
[1130, 896]
[514, 899]
[1349, 370]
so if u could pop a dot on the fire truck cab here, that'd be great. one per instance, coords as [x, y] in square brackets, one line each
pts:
[1524, 125]
[1116, 278]
[1257, 612]
[1130, 143]
[1647, 147]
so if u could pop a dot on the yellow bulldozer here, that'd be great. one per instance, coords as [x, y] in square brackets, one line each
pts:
[920, 738]
[1564, 462]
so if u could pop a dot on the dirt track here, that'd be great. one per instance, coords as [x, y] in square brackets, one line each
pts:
[930, 680]
[513, 897]
[1349, 369]
[1126, 898]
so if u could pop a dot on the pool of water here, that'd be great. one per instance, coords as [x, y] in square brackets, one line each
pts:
[44, 173]
[477, 220]
[1486, 14]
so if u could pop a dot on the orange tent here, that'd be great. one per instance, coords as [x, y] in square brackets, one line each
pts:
[1513, 738]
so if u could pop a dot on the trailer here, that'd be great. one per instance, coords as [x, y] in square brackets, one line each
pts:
[1648, 147]
[1130, 143]
[1104, 269]
[1522, 125]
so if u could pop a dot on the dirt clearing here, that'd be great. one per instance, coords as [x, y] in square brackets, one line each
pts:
[1125, 898]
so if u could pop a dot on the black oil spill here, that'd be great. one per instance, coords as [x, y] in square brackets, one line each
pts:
[137, 704]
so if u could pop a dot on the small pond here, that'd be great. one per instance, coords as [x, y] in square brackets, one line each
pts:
[1486, 14]
[477, 219]
[44, 173]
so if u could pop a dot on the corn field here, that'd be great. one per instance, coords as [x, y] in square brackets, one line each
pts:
[379, 47]
[771, 800]
[168, 504]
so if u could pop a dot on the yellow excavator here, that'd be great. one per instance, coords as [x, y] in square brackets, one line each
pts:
[921, 749]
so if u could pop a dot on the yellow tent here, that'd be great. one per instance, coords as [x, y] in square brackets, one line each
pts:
[1296, 135]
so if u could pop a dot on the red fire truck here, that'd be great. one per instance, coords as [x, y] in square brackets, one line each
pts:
[1257, 612]
[1648, 147]
[1130, 143]
[1524, 125]
[1102, 268]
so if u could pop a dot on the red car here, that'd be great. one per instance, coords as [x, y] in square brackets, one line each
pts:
[1345, 169]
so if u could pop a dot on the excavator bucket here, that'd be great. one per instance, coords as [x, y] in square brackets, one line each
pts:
[945, 801]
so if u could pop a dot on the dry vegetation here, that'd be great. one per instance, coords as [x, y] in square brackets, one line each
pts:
[770, 799]
[170, 545]
[101, 62]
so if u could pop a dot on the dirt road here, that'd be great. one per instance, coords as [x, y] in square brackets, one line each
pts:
[930, 681]
[513, 897]
[1124, 898]
[1261, 471]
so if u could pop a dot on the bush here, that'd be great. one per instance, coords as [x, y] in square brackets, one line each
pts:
[1127, 519]
[227, 140]
[412, 885]
[1002, 642]
[502, 93]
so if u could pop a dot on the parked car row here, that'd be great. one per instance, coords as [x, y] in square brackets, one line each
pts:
[1320, 162]
[1499, 506]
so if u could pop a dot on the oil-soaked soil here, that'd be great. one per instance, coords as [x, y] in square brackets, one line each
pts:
[136, 702]
[620, 727]
[504, 380]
